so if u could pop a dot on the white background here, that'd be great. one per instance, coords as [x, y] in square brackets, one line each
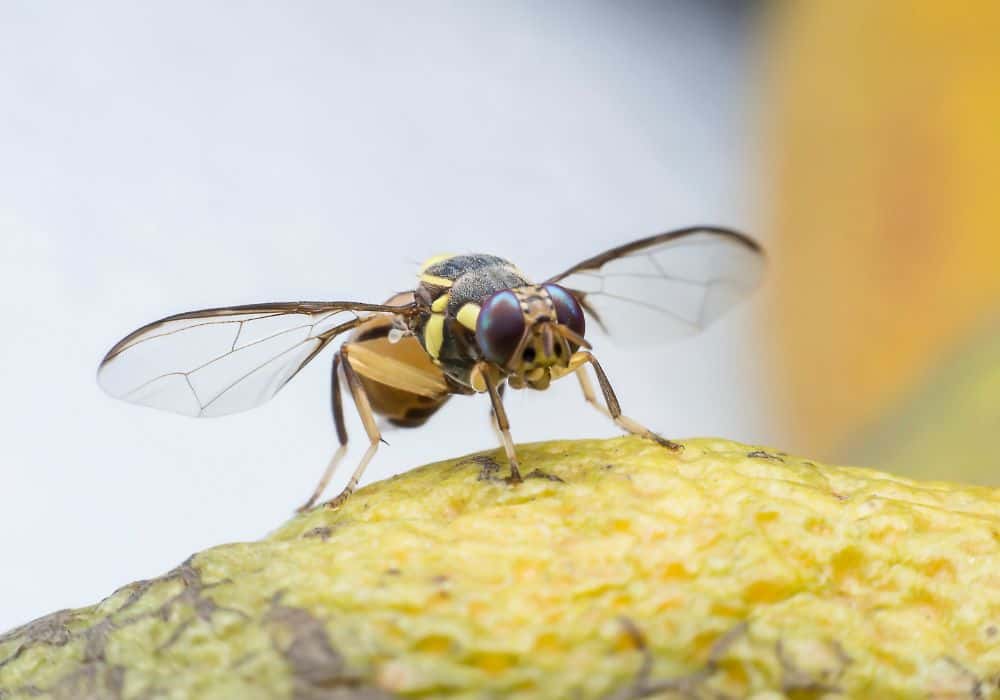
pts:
[160, 159]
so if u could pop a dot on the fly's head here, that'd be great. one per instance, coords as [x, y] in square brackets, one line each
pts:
[530, 331]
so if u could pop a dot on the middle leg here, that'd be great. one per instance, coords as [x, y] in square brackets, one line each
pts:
[612, 408]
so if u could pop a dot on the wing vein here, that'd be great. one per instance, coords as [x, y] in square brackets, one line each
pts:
[255, 369]
[139, 341]
[157, 378]
[690, 277]
[194, 393]
[233, 358]
[672, 278]
[647, 305]
[239, 330]
[250, 345]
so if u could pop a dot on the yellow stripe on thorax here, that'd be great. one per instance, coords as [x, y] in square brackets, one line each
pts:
[439, 304]
[434, 261]
[436, 281]
[468, 315]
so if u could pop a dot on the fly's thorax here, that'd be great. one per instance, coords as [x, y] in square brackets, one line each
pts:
[450, 291]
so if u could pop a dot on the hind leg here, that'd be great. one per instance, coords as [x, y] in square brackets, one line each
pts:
[395, 380]
[342, 364]
[338, 421]
[364, 408]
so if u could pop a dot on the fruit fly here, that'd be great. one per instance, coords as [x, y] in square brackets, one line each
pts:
[473, 325]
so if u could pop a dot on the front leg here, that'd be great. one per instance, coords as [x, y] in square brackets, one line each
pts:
[493, 414]
[502, 423]
[612, 409]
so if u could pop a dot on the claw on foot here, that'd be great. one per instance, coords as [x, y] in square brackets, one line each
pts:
[663, 442]
[309, 504]
[338, 500]
[515, 474]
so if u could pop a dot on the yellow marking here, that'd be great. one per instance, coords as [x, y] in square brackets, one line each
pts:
[436, 281]
[476, 380]
[560, 372]
[535, 374]
[477, 377]
[468, 315]
[577, 360]
[434, 261]
[440, 303]
[434, 334]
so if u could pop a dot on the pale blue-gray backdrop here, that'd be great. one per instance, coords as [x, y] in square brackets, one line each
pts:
[159, 157]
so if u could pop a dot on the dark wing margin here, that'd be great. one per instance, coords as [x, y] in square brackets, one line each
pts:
[215, 362]
[666, 286]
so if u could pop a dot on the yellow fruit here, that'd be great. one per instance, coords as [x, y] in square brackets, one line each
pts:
[620, 569]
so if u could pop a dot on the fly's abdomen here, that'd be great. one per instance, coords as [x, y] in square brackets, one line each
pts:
[402, 407]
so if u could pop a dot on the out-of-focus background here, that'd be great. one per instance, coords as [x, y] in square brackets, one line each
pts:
[166, 158]
[882, 322]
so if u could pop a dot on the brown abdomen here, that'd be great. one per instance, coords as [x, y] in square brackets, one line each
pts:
[400, 407]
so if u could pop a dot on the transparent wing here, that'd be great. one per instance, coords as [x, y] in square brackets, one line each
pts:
[666, 286]
[220, 361]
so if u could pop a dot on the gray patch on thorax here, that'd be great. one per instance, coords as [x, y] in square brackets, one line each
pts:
[475, 285]
[457, 265]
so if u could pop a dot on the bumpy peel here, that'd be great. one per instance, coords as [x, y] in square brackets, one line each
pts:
[621, 570]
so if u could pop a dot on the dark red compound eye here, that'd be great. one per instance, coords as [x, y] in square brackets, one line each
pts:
[500, 326]
[568, 311]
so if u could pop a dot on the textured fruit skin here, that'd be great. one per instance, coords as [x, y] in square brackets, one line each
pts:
[723, 571]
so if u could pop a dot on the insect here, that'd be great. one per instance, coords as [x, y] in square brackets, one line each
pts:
[473, 325]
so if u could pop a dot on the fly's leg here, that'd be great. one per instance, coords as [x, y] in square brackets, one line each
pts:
[493, 414]
[337, 405]
[503, 424]
[367, 419]
[612, 408]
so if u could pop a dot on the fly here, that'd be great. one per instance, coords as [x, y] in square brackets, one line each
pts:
[474, 324]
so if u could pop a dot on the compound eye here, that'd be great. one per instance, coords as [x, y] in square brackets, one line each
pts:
[568, 311]
[500, 326]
